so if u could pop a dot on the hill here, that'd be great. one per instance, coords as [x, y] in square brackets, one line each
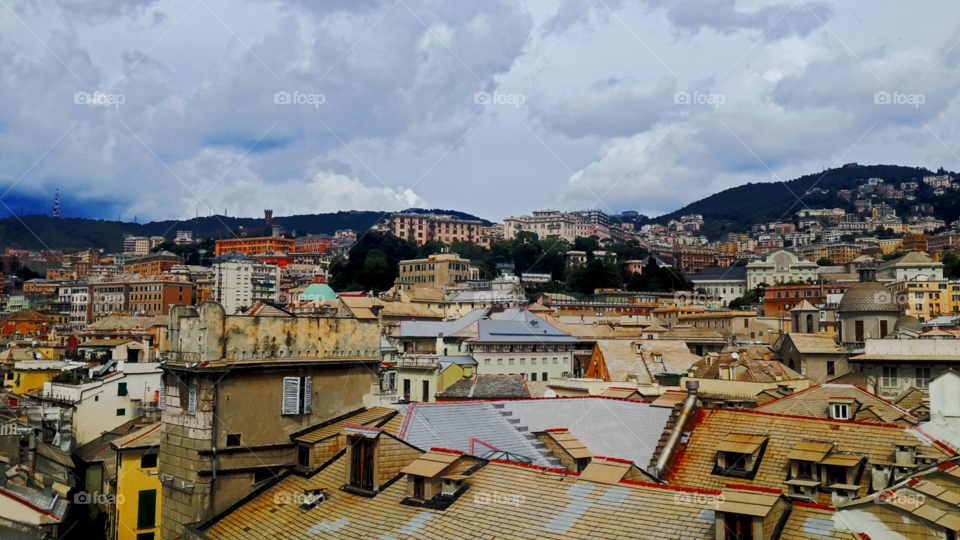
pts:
[738, 209]
[37, 232]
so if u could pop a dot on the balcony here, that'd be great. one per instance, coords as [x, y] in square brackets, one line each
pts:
[417, 362]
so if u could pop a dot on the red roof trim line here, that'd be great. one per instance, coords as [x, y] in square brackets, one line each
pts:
[914, 482]
[946, 466]
[403, 427]
[673, 488]
[563, 471]
[814, 505]
[367, 428]
[622, 388]
[517, 464]
[532, 398]
[615, 460]
[935, 441]
[886, 495]
[864, 536]
[37, 508]
[447, 451]
[555, 430]
[753, 488]
[903, 411]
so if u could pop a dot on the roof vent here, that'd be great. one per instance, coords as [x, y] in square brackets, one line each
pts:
[313, 495]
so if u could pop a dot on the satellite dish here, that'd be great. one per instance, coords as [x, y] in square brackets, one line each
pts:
[549, 393]
[736, 356]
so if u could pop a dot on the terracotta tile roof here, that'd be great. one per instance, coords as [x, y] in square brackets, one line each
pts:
[815, 343]
[813, 522]
[623, 362]
[815, 401]
[549, 504]
[326, 430]
[394, 425]
[911, 398]
[694, 462]
[745, 369]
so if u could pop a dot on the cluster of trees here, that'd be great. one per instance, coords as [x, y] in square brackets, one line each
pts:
[199, 253]
[373, 263]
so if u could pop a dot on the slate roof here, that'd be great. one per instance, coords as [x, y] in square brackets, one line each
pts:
[117, 322]
[487, 387]
[554, 506]
[434, 328]
[608, 427]
[53, 505]
[814, 401]
[514, 331]
[623, 362]
[325, 430]
[55, 454]
[694, 462]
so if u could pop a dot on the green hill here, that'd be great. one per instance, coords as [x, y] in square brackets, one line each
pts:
[738, 209]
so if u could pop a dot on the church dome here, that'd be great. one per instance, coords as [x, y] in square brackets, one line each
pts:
[908, 322]
[868, 296]
[317, 291]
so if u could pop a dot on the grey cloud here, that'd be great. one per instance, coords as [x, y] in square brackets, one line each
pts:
[782, 20]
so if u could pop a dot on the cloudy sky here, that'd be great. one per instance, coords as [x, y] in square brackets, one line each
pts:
[165, 108]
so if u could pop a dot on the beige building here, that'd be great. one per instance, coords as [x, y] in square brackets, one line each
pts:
[436, 227]
[781, 266]
[838, 253]
[436, 271]
[234, 391]
[544, 223]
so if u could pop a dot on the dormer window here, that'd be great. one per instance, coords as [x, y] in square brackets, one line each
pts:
[747, 513]
[841, 408]
[739, 455]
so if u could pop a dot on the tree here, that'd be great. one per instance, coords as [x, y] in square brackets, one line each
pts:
[824, 262]
[594, 274]
[347, 273]
[751, 296]
[377, 274]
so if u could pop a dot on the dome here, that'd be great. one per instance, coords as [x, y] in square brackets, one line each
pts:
[908, 322]
[317, 291]
[868, 296]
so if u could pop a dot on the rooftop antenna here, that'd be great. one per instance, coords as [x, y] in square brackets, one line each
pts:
[56, 204]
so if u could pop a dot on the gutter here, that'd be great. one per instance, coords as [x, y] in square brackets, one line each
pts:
[674, 440]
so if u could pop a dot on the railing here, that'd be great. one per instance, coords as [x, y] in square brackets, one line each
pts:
[427, 363]
[180, 356]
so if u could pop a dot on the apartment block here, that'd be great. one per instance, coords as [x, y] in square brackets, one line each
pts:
[544, 223]
[252, 246]
[242, 282]
[152, 264]
[436, 271]
[436, 228]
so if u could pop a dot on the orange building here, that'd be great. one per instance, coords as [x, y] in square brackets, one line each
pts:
[915, 242]
[153, 264]
[252, 246]
[313, 244]
[780, 299]
[28, 323]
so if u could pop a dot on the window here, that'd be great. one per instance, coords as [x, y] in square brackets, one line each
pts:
[486, 362]
[533, 376]
[804, 469]
[499, 361]
[122, 389]
[841, 411]
[303, 456]
[192, 401]
[831, 367]
[533, 360]
[511, 361]
[233, 440]
[121, 412]
[146, 536]
[361, 463]
[658, 358]
[147, 509]
[544, 376]
[889, 378]
[148, 461]
[297, 395]
[922, 376]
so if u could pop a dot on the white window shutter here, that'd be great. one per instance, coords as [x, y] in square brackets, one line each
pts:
[162, 397]
[307, 394]
[291, 396]
[192, 403]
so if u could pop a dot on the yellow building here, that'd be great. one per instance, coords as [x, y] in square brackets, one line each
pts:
[31, 374]
[838, 253]
[420, 378]
[927, 300]
[138, 485]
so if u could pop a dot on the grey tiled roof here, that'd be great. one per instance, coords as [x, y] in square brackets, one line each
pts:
[487, 387]
[517, 331]
[611, 428]
[434, 328]
[53, 504]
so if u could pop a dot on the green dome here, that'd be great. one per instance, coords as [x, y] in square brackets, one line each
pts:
[317, 291]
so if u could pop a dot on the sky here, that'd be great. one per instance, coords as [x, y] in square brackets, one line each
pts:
[164, 109]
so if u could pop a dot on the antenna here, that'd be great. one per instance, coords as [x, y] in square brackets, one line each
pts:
[56, 204]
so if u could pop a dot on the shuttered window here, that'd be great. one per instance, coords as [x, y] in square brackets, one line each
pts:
[147, 509]
[297, 395]
[192, 403]
[162, 395]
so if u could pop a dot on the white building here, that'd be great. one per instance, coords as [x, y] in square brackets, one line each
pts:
[780, 266]
[544, 223]
[110, 400]
[241, 283]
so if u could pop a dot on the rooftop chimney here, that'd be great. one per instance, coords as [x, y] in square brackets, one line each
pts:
[668, 450]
